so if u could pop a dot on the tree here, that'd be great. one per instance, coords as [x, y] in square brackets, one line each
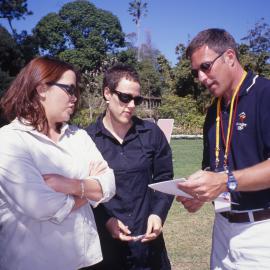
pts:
[151, 82]
[258, 38]
[14, 9]
[81, 34]
[184, 83]
[184, 110]
[11, 58]
[18, 49]
[167, 73]
[256, 53]
[137, 9]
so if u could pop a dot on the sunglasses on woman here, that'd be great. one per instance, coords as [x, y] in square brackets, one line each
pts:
[126, 98]
[205, 67]
[69, 89]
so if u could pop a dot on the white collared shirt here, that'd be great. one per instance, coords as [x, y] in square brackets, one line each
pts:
[38, 230]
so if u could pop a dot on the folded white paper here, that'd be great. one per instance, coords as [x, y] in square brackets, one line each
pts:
[170, 187]
[222, 202]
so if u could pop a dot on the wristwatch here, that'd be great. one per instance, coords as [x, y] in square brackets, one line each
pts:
[232, 183]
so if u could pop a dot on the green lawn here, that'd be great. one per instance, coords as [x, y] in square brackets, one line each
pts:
[188, 236]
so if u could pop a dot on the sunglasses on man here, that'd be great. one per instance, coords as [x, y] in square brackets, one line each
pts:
[126, 98]
[69, 89]
[205, 67]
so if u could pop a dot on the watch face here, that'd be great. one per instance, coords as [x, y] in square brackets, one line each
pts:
[232, 182]
[232, 185]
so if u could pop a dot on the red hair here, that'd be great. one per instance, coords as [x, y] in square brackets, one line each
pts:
[21, 100]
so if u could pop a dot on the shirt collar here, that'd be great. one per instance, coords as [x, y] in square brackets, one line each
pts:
[24, 125]
[247, 83]
[246, 86]
[138, 126]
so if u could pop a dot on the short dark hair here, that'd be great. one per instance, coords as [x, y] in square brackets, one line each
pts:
[22, 100]
[218, 40]
[113, 76]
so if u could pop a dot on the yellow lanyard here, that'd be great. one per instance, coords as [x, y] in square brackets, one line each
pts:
[217, 149]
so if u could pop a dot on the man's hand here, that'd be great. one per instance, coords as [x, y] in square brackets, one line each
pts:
[118, 230]
[205, 186]
[192, 205]
[154, 228]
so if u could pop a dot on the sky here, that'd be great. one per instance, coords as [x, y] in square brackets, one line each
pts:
[169, 22]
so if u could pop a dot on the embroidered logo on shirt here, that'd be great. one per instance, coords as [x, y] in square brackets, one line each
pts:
[241, 124]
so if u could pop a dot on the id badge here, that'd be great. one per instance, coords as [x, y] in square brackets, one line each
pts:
[223, 202]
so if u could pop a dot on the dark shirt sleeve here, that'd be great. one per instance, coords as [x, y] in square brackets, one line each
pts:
[162, 171]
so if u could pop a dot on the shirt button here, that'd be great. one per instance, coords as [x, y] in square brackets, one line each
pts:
[121, 153]
[129, 215]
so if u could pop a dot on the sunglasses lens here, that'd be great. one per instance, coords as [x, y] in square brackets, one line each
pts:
[71, 90]
[138, 100]
[126, 98]
[205, 66]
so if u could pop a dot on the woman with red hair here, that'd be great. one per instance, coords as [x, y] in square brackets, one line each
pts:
[49, 171]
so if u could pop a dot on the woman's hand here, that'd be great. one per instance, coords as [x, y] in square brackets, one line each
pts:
[154, 228]
[118, 229]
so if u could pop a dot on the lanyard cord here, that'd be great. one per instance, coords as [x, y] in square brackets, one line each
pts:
[230, 125]
[230, 134]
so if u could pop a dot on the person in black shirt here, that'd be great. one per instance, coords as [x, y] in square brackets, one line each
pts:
[130, 225]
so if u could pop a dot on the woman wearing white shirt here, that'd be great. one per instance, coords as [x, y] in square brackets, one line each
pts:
[49, 171]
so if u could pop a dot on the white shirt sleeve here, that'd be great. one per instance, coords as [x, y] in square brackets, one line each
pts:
[107, 179]
[22, 184]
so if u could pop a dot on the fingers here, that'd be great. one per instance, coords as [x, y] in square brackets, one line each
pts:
[191, 205]
[204, 186]
[118, 229]
[123, 228]
[124, 237]
[154, 228]
[189, 187]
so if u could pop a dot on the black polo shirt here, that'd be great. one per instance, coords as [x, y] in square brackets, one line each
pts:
[250, 142]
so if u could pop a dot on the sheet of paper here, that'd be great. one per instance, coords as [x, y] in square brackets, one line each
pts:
[222, 202]
[170, 187]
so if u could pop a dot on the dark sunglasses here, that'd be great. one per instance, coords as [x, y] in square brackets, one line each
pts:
[205, 67]
[126, 98]
[69, 89]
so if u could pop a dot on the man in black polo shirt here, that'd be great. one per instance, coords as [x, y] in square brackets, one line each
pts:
[236, 151]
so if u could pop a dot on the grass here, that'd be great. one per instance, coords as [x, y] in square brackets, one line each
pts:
[188, 236]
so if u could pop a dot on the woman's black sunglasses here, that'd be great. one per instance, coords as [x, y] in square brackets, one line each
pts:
[69, 89]
[205, 67]
[126, 98]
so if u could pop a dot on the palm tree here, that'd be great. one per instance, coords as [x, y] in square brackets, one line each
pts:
[137, 9]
